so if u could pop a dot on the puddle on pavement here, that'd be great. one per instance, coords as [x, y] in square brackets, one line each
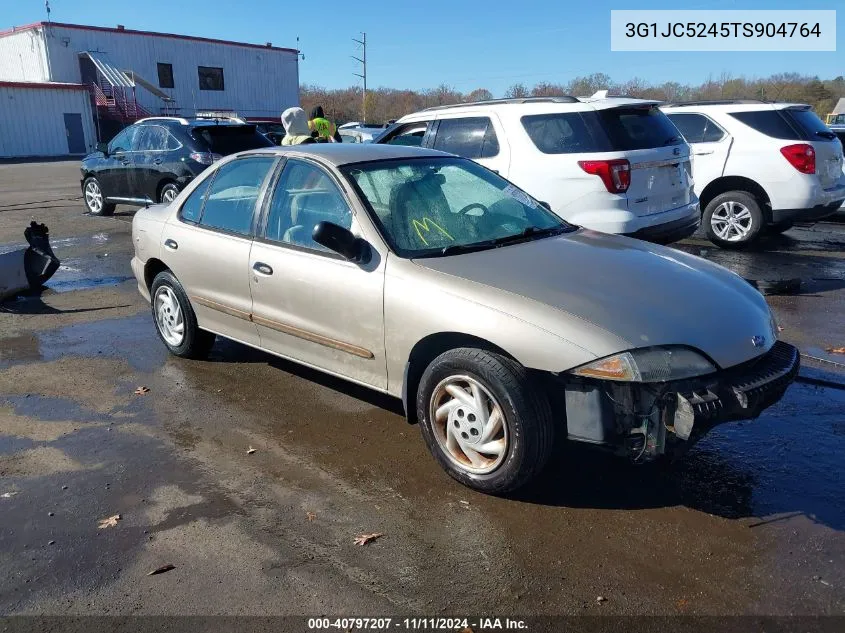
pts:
[132, 339]
[85, 283]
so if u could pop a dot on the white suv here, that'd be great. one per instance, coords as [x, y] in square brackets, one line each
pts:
[759, 166]
[616, 165]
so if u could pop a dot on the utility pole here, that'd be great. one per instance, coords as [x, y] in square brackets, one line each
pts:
[363, 74]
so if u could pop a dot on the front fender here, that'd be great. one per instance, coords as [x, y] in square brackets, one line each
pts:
[419, 303]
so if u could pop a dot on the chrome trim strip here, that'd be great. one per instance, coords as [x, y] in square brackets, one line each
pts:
[676, 160]
[313, 337]
[306, 335]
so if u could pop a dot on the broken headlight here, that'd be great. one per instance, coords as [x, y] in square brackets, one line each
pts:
[651, 364]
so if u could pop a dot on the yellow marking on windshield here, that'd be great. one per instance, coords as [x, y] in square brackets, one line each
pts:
[426, 225]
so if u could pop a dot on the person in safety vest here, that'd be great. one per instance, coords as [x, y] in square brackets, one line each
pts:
[296, 127]
[321, 128]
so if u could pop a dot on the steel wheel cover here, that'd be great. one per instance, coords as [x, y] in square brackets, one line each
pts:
[469, 425]
[731, 221]
[94, 197]
[168, 314]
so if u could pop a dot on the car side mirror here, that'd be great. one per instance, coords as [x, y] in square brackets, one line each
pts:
[342, 241]
[103, 147]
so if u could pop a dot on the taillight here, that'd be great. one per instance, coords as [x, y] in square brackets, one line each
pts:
[615, 174]
[203, 158]
[802, 156]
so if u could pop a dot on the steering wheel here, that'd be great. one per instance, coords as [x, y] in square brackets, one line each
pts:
[473, 205]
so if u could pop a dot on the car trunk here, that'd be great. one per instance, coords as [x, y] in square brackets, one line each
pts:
[660, 159]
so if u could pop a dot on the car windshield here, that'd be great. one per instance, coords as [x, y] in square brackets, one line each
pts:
[442, 206]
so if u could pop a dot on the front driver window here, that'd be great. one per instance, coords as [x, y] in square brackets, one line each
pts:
[304, 197]
[232, 196]
[123, 141]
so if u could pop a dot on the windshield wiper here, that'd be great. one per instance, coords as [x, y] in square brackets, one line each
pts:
[530, 232]
[454, 249]
[825, 134]
[671, 140]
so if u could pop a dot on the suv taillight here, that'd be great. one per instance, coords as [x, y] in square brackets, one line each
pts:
[615, 174]
[205, 158]
[802, 156]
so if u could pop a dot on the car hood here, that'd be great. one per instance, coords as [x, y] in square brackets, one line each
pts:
[641, 294]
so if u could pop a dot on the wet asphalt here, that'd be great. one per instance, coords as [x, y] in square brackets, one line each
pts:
[752, 521]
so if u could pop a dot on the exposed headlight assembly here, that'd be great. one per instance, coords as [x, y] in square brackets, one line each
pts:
[651, 364]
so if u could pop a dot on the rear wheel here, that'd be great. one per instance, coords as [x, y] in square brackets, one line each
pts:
[95, 202]
[168, 193]
[175, 320]
[483, 420]
[733, 219]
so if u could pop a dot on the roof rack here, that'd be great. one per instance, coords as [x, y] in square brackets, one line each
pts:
[506, 101]
[716, 102]
[178, 119]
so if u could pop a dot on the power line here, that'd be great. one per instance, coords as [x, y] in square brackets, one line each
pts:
[363, 74]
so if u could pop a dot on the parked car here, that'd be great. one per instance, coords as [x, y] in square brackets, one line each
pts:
[155, 158]
[759, 166]
[428, 277]
[359, 134]
[616, 165]
[273, 130]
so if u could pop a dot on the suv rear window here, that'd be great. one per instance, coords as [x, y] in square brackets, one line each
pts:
[611, 130]
[228, 139]
[768, 122]
[639, 128]
[809, 123]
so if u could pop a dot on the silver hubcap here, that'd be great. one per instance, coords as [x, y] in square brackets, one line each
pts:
[169, 316]
[469, 424]
[731, 221]
[169, 195]
[93, 197]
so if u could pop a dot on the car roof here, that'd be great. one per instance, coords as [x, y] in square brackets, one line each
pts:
[338, 154]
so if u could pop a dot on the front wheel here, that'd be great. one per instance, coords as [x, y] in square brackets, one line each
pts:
[483, 420]
[95, 201]
[733, 219]
[175, 320]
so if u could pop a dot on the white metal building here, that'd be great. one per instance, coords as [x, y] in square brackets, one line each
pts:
[132, 74]
[45, 119]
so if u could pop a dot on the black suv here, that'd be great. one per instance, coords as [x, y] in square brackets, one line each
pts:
[153, 159]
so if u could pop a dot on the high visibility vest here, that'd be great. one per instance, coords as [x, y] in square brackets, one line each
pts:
[324, 127]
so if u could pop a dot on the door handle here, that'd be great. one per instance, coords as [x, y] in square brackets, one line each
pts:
[157, 161]
[703, 152]
[170, 244]
[262, 268]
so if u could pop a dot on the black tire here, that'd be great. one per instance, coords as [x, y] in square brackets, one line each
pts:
[169, 187]
[748, 201]
[105, 208]
[196, 343]
[526, 412]
[775, 229]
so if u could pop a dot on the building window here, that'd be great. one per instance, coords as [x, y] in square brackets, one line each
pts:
[165, 75]
[210, 78]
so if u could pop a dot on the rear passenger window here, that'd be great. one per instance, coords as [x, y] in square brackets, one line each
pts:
[471, 137]
[304, 196]
[191, 209]
[768, 122]
[697, 128]
[231, 198]
[566, 133]
[152, 138]
[172, 142]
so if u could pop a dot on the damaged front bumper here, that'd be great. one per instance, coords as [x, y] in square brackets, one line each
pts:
[646, 420]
